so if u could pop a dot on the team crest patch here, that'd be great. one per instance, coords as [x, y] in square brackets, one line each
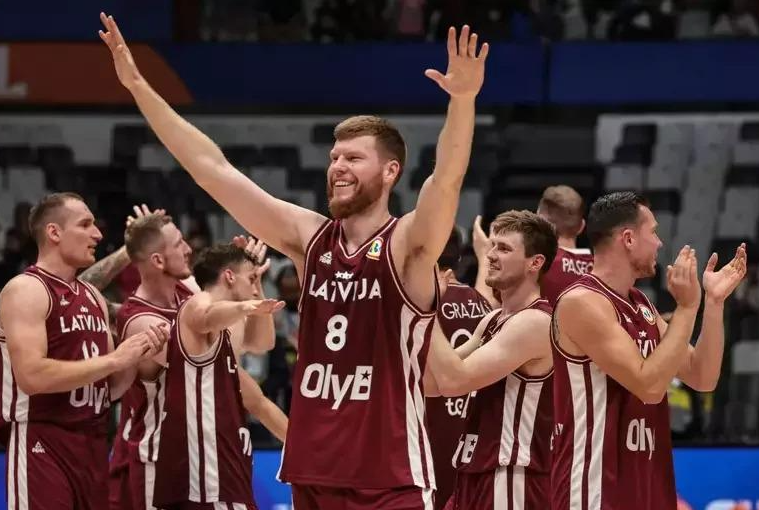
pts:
[375, 249]
[648, 315]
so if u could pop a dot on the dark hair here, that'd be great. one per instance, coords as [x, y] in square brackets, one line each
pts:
[564, 207]
[389, 140]
[612, 211]
[451, 255]
[44, 211]
[538, 234]
[213, 260]
[144, 235]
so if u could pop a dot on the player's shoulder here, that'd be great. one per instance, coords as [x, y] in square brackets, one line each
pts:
[24, 284]
[142, 321]
[584, 299]
[27, 294]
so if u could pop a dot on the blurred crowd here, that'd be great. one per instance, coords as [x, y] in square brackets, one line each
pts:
[339, 21]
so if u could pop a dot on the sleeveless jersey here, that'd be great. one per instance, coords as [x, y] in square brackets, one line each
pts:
[509, 422]
[611, 451]
[209, 455]
[358, 398]
[460, 311]
[76, 329]
[567, 267]
[142, 405]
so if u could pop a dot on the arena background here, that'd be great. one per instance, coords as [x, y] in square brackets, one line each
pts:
[660, 96]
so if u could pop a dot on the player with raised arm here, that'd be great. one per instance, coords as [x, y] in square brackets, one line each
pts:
[503, 456]
[369, 286]
[205, 457]
[614, 358]
[158, 249]
[60, 369]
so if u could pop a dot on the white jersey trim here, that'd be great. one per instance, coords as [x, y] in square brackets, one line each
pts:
[307, 261]
[358, 250]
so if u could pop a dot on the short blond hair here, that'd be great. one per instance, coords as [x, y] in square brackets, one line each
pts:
[143, 236]
[538, 234]
[563, 206]
[389, 140]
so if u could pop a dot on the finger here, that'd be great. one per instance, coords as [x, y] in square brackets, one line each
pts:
[115, 29]
[682, 255]
[160, 212]
[484, 50]
[451, 41]
[103, 19]
[145, 210]
[463, 40]
[264, 267]
[435, 76]
[711, 263]
[478, 222]
[137, 211]
[278, 306]
[262, 253]
[104, 37]
[472, 49]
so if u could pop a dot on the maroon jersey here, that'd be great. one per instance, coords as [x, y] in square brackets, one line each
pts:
[611, 451]
[357, 387]
[460, 311]
[142, 405]
[209, 456]
[509, 422]
[567, 267]
[76, 329]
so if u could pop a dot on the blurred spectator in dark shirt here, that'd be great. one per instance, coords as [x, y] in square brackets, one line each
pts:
[642, 21]
[739, 20]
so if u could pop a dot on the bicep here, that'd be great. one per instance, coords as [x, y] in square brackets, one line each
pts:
[591, 323]
[284, 226]
[23, 312]
[521, 340]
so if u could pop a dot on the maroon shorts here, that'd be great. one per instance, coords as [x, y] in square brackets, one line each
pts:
[51, 468]
[141, 484]
[119, 493]
[311, 497]
[505, 488]
[211, 506]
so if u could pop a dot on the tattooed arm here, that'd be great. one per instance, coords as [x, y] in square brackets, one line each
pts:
[102, 272]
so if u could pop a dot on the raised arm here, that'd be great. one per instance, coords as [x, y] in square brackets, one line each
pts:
[524, 338]
[285, 226]
[23, 311]
[425, 231]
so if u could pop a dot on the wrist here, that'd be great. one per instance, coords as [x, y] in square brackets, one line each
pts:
[115, 362]
[713, 301]
[689, 308]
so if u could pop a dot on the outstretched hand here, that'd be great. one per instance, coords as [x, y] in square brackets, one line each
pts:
[720, 284]
[466, 68]
[126, 69]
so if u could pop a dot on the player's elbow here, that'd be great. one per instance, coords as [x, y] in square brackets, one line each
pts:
[449, 387]
[651, 395]
[703, 384]
[30, 384]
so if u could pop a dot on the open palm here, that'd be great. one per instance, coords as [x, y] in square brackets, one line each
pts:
[720, 284]
[126, 69]
[466, 68]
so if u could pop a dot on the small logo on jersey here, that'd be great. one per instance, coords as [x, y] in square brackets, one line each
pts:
[38, 448]
[326, 258]
[375, 249]
[627, 319]
[648, 315]
[84, 309]
[64, 302]
[343, 275]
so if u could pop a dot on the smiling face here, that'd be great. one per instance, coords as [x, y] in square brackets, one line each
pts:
[643, 243]
[356, 177]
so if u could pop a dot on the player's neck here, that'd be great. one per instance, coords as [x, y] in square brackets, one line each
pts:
[619, 277]
[519, 297]
[53, 264]
[158, 290]
[568, 243]
[359, 227]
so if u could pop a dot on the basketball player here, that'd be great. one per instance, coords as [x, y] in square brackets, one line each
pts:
[503, 456]
[369, 287]
[64, 367]
[615, 357]
[206, 463]
[461, 309]
[563, 207]
[161, 256]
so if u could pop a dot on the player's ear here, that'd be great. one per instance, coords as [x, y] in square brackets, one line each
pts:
[627, 237]
[582, 227]
[53, 232]
[228, 276]
[157, 260]
[538, 261]
[392, 170]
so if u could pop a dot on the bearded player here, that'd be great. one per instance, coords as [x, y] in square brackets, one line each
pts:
[369, 286]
